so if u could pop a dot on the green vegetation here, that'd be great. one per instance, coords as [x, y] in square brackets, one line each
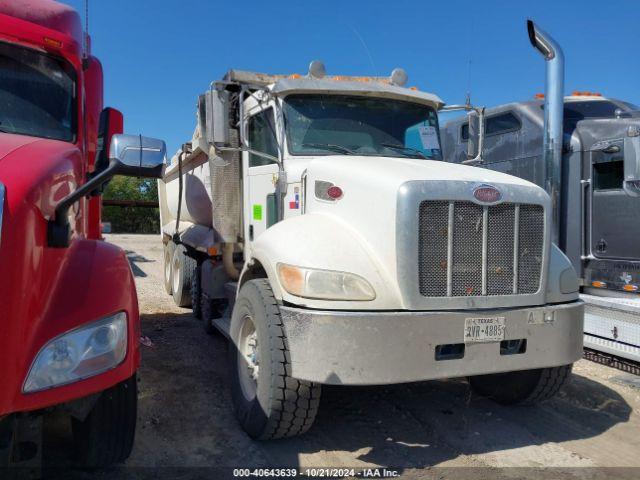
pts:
[131, 219]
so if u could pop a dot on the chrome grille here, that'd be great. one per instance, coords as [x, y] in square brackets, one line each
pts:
[530, 252]
[465, 249]
[500, 250]
[432, 248]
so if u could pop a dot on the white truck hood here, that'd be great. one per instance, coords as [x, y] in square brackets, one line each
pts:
[393, 171]
[375, 190]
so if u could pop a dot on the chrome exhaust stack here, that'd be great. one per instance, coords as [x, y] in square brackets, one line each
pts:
[553, 116]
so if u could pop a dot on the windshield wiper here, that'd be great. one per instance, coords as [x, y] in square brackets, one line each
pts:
[330, 146]
[405, 149]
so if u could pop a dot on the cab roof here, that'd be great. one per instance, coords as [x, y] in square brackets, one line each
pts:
[374, 86]
[46, 13]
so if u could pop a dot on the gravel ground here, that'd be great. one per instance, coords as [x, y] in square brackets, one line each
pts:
[423, 430]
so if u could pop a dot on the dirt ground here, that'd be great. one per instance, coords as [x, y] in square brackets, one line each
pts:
[420, 430]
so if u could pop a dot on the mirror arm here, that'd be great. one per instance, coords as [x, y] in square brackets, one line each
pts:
[58, 229]
[248, 150]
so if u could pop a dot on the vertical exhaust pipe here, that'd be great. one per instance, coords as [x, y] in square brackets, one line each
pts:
[553, 116]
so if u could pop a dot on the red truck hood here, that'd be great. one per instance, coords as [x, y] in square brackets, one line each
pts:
[10, 142]
[38, 171]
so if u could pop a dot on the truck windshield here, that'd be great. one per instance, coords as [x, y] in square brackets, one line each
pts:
[359, 125]
[37, 94]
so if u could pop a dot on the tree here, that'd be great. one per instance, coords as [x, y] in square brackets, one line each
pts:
[131, 219]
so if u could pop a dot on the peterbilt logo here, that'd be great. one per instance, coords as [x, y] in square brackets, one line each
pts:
[487, 194]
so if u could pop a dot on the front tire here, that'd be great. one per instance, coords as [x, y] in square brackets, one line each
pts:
[268, 402]
[526, 387]
[106, 435]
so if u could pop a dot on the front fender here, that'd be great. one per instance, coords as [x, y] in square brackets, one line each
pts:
[323, 241]
[94, 281]
[562, 285]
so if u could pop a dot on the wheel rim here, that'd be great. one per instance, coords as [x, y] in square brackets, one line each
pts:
[248, 358]
[167, 267]
[176, 274]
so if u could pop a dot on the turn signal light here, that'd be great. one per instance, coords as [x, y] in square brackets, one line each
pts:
[539, 96]
[328, 191]
[334, 192]
[598, 284]
[630, 288]
[52, 42]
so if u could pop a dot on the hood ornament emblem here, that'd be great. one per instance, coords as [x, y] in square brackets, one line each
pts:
[487, 194]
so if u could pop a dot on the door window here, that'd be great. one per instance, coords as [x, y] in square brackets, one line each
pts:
[496, 125]
[608, 168]
[262, 138]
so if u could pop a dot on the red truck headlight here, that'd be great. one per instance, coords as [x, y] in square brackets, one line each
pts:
[78, 354]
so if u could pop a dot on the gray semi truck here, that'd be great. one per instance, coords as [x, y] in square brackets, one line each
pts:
[590, 164]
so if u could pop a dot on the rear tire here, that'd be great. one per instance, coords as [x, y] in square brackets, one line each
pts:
[196, 292]
[210, 310]
[526, 387]
[169, 248]
[106, 436]
[268, 402]
[182, 270]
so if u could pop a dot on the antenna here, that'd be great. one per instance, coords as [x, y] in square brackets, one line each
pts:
[86, 29]
[468, 99]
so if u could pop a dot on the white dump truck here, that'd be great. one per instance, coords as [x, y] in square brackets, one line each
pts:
[311, 220]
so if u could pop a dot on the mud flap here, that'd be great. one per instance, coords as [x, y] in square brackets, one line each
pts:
[21, 446]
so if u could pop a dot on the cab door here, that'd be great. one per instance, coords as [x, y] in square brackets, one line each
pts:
[260, 172]
[615, 215]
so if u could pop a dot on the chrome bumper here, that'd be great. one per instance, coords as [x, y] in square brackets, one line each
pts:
[369, 348]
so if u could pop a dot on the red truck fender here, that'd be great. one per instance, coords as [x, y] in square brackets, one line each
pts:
[95, 281]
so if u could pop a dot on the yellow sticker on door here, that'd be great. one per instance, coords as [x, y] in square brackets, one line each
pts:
[257, 212]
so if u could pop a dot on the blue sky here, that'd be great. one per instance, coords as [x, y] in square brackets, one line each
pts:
[158, 55]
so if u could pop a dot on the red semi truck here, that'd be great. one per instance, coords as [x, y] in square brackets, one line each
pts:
[69, 322]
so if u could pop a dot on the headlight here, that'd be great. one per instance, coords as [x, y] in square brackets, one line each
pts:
[80, 353]
[324, 284]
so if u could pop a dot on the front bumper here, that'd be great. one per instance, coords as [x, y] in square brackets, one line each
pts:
[374, 348]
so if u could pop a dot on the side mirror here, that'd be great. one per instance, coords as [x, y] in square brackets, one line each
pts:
[130, 155]
[475, 141]
[217, 116]
[137, 156]
[631, 183]
[111, 123]
[474, 135]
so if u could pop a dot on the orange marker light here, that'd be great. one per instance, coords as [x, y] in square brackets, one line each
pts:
[292, 278]
[52, 42]
[579, 93]
[598, 284]
[630, 288]
[539, 96]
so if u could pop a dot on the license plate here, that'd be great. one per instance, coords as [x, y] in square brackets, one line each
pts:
[484, 329]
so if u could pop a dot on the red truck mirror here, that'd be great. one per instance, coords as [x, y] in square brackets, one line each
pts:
[130, 155]
[137, 156]
[111, 123]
